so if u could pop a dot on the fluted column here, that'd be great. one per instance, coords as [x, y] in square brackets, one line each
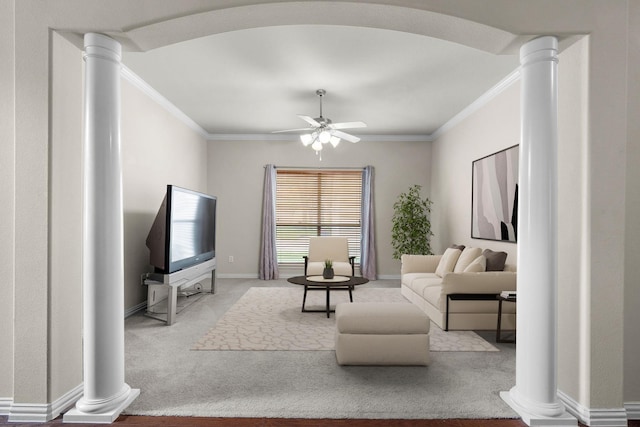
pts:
[105, 392]
[534, 396]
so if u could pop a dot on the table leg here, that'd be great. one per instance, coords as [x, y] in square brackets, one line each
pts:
[171, 304]
[328, 302]
[446, 319]
[304, 298]
[499, 327]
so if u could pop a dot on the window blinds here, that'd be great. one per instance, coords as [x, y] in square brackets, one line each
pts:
[316, 203]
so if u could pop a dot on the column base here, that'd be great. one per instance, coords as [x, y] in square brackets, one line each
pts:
[105, 417]
[530, 419]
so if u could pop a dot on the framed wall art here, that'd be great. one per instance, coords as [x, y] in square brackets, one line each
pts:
[494, 196]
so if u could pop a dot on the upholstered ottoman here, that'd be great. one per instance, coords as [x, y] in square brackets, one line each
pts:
[371, 333]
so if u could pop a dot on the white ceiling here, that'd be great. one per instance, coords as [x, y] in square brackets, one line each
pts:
[256, 81]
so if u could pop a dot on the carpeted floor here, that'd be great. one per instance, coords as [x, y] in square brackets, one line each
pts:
[271, 319]
[175, 380]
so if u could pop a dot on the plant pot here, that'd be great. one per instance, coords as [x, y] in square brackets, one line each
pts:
[327, 273]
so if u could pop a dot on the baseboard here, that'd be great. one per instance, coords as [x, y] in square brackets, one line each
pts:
[136, 308]
[236, 276]
[5, 405]
[389, 277]
[600, 417]
[43, 412]
[633, 410]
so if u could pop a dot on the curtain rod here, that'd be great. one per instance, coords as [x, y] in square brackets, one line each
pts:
[317, 168]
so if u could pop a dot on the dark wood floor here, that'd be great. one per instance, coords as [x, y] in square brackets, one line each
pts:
[282, 422]
[278, 422]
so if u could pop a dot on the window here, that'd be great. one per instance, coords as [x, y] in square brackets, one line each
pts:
[316, 203]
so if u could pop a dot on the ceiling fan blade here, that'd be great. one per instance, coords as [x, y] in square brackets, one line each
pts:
[309, 120]
[348, 125]
[293, 130]
[346, 136]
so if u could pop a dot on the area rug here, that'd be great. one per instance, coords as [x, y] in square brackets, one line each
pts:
[271, 319]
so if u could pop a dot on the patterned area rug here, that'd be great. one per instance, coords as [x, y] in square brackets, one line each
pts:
[270, 319]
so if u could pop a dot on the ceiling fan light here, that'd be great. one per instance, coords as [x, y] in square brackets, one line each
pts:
[306, 139]
[317, 145]
[324, 136]
[334, 141]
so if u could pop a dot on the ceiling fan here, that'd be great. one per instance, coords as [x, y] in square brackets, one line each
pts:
[322, 130]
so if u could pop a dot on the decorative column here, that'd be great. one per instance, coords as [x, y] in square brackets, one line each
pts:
[534, 396]
[106, 394]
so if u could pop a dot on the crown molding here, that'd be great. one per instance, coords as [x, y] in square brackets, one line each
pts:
[139, 83]
[281, 137]
[482, 100]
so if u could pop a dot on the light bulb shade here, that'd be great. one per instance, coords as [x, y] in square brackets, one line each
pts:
[334, 141]
[317, 145]
[324, 136]
[306, 139]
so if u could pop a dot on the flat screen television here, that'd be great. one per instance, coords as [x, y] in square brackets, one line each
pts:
[183, 233]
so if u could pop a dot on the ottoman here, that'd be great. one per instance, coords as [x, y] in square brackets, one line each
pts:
[372, 333]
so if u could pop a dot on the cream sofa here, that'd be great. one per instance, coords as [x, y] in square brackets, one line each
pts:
[428, 280]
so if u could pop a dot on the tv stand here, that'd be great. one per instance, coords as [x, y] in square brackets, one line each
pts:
[179, 280]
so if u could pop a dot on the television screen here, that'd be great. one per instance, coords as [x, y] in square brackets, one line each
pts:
[183, 233]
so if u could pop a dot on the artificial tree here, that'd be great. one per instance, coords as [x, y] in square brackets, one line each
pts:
[411, 227]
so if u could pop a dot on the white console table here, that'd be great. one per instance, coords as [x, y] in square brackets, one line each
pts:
[181, 279]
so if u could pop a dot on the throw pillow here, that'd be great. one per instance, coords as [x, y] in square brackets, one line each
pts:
[466, 257]
[461, 247]
[478, 265]
[495, 260]
[448, 261]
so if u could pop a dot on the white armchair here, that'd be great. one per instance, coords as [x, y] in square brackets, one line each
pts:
[334, 248]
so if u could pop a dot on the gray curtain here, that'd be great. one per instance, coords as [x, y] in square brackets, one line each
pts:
[268, 255]
[368, 240]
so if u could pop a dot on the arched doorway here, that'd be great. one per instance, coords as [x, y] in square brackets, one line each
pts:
[390, 17]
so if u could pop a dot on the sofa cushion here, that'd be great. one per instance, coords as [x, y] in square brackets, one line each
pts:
[466, 257]
[495, 260]
[478, 265]
[419, 286]
[409, 278]
[448, 261]
[461, 247]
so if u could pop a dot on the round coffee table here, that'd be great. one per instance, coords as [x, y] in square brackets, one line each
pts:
[318, 283]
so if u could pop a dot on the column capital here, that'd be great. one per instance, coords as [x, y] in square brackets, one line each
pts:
[101, 46]
[540, 49]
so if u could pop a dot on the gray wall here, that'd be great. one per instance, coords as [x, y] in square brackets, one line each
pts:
[7, 182]
[632, 227]
[492, 128]
[65, 346]
[236, 175]
[157, 149]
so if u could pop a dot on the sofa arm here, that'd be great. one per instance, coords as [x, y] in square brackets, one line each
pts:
[419, 263]
[490, 282]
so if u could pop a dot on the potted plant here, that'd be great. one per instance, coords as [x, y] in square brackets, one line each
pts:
[411, 228]
[327, 273]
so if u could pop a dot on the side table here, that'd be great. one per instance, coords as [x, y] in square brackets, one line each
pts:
[499, 327]
[465, 297]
